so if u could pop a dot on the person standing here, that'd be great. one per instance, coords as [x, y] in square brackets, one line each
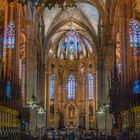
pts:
[53, 135]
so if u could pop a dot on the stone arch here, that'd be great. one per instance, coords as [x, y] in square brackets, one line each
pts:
[92, 34]
[40, 9]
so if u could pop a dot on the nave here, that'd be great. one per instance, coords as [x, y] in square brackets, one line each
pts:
[70, 69]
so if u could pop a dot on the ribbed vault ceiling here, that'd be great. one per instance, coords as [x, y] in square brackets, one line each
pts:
[83, 12]
[85, 15]
[62, 44]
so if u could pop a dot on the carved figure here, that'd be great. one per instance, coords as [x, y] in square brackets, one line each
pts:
[71, 112]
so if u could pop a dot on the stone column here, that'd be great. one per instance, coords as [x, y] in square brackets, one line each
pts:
[94, 100]
[5, 28]
[48, 98]
[41, 82]
[31, 72]
[99, 96]
[87, 99]
[17, 62]
[65, 97]
[9, 49]
[56, 98]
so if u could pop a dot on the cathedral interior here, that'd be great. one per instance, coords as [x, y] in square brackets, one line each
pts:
[70, 69]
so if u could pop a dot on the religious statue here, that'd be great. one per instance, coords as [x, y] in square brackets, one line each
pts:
[71, 112]
[52, 109]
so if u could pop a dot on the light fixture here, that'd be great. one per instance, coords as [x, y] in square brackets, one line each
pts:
[32, 103]
[100, 112]
[41, 110]
[106, 105]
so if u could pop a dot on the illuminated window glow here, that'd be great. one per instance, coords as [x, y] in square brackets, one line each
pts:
[71, 87]
[9, 38]
[52, 86]
[136, 87]
[90, 86]
[72, 43]
[8, 89]
[134, 33]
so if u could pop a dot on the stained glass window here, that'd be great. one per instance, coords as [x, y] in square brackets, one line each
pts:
[8, 89]
[9, 38]
[52, 86]
[134, 33]
[72, 44]
[90, 86]
[136, 87]
[71, 87]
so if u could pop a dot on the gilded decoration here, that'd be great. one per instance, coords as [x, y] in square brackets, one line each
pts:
[70, 107]
[128, 114]
[137, 9]
[9, 118]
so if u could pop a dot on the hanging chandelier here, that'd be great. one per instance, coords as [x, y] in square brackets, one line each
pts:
[52, 3]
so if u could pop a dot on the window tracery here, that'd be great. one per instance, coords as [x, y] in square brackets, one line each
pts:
[52, 86]
[134, 33]
[9, 38]
[136, 87]
[72, 46]
[8, 89]
[71, 87]
[90, 86]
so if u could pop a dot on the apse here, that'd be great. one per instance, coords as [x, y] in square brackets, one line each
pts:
[71, 46]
